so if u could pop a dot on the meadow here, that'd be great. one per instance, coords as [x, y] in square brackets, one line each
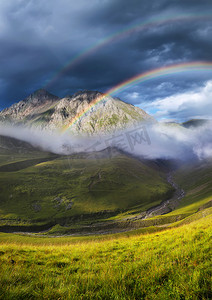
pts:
[170, 264]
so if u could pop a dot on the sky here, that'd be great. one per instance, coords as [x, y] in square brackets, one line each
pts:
[66, 46]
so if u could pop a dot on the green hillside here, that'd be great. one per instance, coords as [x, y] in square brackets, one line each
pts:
[46, 189]
[196, 180]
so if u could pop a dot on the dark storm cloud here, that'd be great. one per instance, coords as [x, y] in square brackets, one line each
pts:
[120, 12]
[39, 37]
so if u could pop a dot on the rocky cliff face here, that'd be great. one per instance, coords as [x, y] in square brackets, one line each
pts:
[46, 111]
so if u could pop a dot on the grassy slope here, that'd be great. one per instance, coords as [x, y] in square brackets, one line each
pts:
[9, 157]
[197, 182]
[108, 185]
[173, 264]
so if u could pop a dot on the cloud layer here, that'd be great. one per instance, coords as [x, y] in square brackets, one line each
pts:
[147, 141]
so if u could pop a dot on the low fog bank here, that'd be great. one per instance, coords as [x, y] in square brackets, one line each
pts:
[151, 141]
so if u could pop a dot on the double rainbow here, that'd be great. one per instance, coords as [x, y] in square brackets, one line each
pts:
[143, 77]
[123, 34]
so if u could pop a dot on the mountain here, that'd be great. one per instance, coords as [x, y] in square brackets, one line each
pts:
[46, 111]
[195, 123]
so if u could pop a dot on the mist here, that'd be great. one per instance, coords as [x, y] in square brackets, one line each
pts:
[150, 141]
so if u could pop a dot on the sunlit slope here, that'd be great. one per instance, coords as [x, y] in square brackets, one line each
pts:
[173, 264]
[76, 187]
[196, 180]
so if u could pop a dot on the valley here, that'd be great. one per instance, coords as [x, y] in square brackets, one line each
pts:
[105, 150]
[72, 190]
[101, 224]
[82, 194]
[96, 227]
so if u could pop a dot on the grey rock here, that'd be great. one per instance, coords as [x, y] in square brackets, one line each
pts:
[86, 112]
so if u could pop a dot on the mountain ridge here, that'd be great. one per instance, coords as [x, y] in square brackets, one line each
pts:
[44, 110]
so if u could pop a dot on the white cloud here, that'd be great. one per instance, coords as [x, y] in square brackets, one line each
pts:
[133, 96]
[197, 104]
[156, 141]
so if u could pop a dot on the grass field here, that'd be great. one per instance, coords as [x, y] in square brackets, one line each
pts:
[172, 264]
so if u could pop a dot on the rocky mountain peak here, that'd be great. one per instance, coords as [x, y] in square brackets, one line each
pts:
[46, 111]
[86, 95]
[40, 96]
[36, 103]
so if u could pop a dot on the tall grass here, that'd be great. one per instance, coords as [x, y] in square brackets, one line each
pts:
[172, 264]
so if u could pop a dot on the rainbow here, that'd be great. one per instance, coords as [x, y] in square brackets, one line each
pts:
[122, 34]
[143, 77]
